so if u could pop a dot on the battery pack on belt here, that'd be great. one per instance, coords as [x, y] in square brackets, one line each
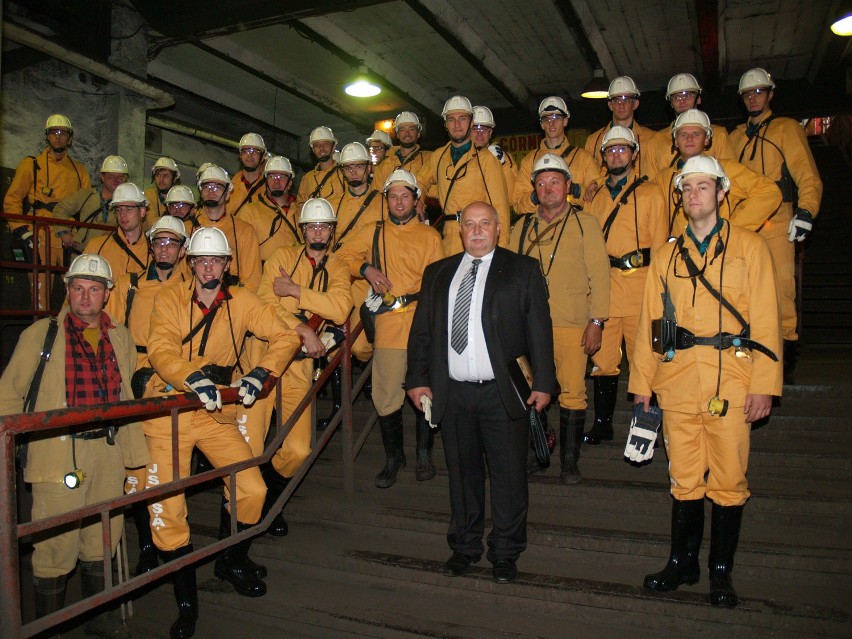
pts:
[100, 433]
[636, 259]
[687, 339]
[220, 375]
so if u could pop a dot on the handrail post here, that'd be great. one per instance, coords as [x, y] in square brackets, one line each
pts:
[10, 587]
[346, 406]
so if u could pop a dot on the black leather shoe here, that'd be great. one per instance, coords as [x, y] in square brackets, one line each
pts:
[505, 570]
[458, 564]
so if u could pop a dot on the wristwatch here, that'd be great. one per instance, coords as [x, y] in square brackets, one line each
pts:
[597, 322]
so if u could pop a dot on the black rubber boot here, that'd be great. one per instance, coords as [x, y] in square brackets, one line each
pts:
[275, 485]
[367, 389]
[606, 393]
[687, 531]
[571, 424]
[186, 595]
[392, 438]
[225, 531]
[425, 468]
[233, 566]
[49, 595]
[725, 523]
[336, 398]
[790, 348]
[108, 624]
[147, 549]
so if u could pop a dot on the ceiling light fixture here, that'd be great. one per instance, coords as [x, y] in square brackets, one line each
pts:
[843, 26]
[596, 88]
[361, 87]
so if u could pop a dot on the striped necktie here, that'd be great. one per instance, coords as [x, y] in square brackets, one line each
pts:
[461, 312]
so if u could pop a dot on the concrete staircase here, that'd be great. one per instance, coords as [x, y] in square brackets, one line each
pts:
[371, 566]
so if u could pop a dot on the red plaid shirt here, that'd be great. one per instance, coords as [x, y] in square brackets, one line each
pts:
[90, 378]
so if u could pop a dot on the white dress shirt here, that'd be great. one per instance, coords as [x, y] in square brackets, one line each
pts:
[473, 363]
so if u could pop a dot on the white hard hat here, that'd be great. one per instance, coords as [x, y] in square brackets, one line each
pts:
[322, 133]
[623, 85]
[692, 117]
[702, 165]
[208, 241]
[215, 174]
[354, 153]
[619, 135]
[278, 164]
[550, 162]
[114, 164]
[168, 224]
[317, 209]
[253, 140]
[90, 267]
[456, 103]
[128, 192]
[58, 121]
[755, 78]
[553, 104]
[180, 193]
[380, 136]
[482, 115]
[406, 117]
[166, 163]
[682, 82]
[204, 166]
[401, 176]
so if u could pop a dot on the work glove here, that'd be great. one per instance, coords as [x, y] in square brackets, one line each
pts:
[251, 384]
[24, 234]
[373, 301]
[800, 226]
[497, 152]
[331, 337]
[205, 389]
[643, 433]
[426, 403]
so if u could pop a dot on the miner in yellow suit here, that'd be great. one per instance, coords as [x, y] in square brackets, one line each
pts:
[481, 133]
[707, 346]
[324, 180]
[408, 154]
[778, 148]
[164, 175]
[248, 181]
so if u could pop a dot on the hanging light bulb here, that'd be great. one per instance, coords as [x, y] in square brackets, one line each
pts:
[597, 88]
[361, 87]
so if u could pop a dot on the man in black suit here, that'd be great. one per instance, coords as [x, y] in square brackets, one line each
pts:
[479, 311]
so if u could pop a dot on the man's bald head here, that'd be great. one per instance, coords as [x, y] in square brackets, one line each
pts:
[480, 228]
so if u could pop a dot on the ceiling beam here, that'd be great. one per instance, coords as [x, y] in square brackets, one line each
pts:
[586, 19]
[571, 21]
[707, 14]
[834, 11]
[339, 43]
[21, 58]
[458, 33]
[251, 63]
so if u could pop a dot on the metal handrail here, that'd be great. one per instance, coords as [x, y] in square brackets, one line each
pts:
[11, 626]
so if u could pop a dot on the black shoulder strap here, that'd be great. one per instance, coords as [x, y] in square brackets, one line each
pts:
[410, 158]
[622, 200]
[354, 220]
[254, 188]
[316, 191]
[377, 258]
[123, 246]
[131, 294]
[205, 323]
[567, 150]
[525, 227]
[49, 339]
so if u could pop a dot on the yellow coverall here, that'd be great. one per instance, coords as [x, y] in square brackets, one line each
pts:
[245, 250]
[274, 227]
[639, 224]
[86, 205]
[134, 259]
[240, 197]
[584, 170]
[405, 250]
[662, 154]
[311, 180]
[54, 181]
[572, 254]
[412, 163]
[752, 198]
[325, 291]
[779, 141]
[214, 433]
[478, 178]
[156, 207]
[697, 442]
[643, 136]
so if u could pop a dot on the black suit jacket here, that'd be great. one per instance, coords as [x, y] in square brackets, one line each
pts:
[515, 320]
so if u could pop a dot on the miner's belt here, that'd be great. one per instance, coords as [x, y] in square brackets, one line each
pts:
[636, 259]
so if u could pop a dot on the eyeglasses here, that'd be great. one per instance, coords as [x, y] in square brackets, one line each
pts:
[126, 208]
[212, 186]
[480, 127]
[317, 226]
[618, 150]
[57, 132]
[165, 242]
[753, 93]
[553, 117]
[178, 205]
[621, 99]
[250, 151]
[683, 96]
[209, 261]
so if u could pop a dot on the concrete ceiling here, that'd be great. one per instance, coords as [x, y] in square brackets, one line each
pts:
[283, 65]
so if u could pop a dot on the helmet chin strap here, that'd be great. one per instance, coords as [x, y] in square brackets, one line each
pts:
[277, 192]
[211, 284]
[323, 158]
[754, 114]
[407, 145]
[619, 170]
[164, 266]
[318, 246]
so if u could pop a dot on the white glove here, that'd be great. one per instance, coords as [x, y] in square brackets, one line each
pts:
[373, 300]
[331, 337]
[251, 384]
[643, 433]
[206, 390]
[497, 152]
[800, 226]
[426, 403]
